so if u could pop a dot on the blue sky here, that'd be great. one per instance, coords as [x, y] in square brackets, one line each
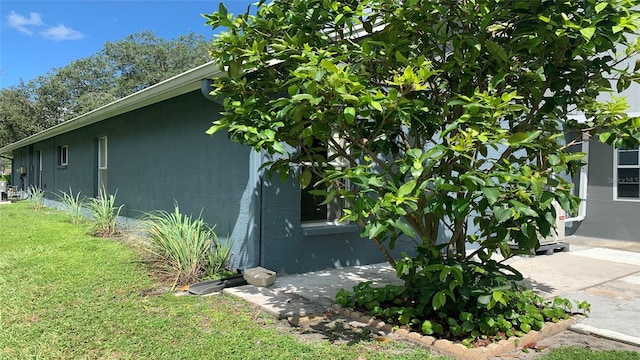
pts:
[36, 36]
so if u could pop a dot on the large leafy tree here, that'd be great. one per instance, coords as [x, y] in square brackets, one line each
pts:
[19, 117]
[447, 116]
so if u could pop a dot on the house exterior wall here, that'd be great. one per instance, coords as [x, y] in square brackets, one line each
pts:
[160, 154]
[606, 217]
[157, 156]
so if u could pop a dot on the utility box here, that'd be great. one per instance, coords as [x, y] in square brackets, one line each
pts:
[557, 234]
[259, 276]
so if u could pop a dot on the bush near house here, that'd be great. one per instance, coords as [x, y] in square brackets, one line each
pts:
[186, 249]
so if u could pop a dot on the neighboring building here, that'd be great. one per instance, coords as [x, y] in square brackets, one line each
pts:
[612, 193]
[151, 147]
[610, 186]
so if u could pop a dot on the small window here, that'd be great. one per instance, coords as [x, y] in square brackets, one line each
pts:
[63, 155]
[627, 174]
[312, 209]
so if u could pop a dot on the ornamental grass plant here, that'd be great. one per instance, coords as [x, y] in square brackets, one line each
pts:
[104, 214]
[36, 195]
[181, 246]
[73, 204]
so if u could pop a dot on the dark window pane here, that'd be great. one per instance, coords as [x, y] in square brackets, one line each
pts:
[629, 183]
[629, 191]
[627, 157]
[311, 210]
[628, 176]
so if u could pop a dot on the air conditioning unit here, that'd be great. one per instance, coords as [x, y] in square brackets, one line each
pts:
[555, 240]
[557, 234]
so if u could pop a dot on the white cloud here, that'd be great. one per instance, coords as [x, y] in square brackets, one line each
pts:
[22, 23]
[26, 25]
[61, 32]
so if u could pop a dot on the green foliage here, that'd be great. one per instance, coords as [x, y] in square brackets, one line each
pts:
[446, 115]
[73, 205]
[185, 249]
[218, 258]
[104, 214]
[464, 301]
[6, 178]
[36, 196]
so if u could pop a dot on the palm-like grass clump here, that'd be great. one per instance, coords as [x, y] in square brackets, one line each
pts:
[181, 245]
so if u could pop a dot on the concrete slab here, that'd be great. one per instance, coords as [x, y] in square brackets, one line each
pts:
[615, 307]
[618, 256]
[563, 273]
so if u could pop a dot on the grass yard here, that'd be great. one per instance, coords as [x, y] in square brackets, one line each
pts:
[67, 295]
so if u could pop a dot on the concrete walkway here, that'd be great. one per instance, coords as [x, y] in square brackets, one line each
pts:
[604, 273]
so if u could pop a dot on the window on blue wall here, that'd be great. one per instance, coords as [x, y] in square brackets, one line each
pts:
[627, 173]
[313, 209]
[63, 155]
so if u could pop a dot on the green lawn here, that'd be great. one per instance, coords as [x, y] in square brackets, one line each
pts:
[67, 295]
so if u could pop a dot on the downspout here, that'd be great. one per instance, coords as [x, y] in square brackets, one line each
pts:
[583, 184]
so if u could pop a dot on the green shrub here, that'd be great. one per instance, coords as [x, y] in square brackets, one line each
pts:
[6, 178]
[182, 246]
[74, 205]
[36, 195]
[104, 214]
[462, 301]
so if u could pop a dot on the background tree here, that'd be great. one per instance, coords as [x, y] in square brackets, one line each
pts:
[19, 116]
[450, 115]
[119, 69]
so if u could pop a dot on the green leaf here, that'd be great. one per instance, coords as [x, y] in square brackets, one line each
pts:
[305, 178]
[427, 327]
[349, 114]
[222, 9]
[301, 97]
[329, 66]
[491, 194]
[496, 50]
[407, 188]
[523, 138]
[587, 33]
[439, 299]
[601, 6]
[501, 214]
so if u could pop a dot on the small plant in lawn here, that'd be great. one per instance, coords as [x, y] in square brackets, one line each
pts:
[104, 213]
[182, 246]
[36, 195]
[472, 302]
[74, 205]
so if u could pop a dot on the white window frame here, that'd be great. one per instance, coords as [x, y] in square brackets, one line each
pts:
[616, 166]
[337, 205]
[102, 165]
[63, 155]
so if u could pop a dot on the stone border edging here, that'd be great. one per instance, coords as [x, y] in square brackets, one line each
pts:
[456, 349]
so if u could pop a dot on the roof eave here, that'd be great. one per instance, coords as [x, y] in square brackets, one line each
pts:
[180, 84]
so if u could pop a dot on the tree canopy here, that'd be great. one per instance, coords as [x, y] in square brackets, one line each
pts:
[448, 116]
[121, 68]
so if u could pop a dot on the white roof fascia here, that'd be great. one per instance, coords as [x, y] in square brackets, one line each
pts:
[180, 84]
